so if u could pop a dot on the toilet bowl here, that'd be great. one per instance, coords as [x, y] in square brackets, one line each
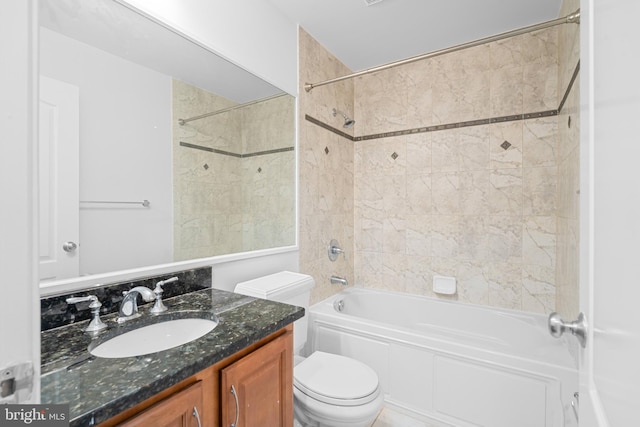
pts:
[329, 390]
[335, 391]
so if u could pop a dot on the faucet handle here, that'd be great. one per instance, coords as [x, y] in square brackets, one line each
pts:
[159, 306]
[164, 282]
[158, 289]
[95, 302]
[96, 323]
[334, 250]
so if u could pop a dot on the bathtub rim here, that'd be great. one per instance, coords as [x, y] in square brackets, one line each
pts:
[560, 379]
[326, 308]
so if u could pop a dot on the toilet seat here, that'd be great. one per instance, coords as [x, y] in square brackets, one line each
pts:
[336, 380]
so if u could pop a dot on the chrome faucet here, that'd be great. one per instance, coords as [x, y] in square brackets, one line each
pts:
[337, 280]
[129, 305]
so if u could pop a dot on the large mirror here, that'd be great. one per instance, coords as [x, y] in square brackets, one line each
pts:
[152, 148]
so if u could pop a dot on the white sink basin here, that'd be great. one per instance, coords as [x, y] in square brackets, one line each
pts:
[153, 338]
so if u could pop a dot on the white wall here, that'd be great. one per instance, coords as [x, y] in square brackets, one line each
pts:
[609, 56]
[253, 34]
[125, 154]
[18, 259]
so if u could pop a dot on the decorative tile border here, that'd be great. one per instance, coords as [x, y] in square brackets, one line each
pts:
[448, 126]
[569, 87]
[328, 127]
[229, 153]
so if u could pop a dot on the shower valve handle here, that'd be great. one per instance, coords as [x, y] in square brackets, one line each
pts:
[334, 250]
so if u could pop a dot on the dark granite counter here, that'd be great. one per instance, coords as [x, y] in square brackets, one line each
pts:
[97, 389]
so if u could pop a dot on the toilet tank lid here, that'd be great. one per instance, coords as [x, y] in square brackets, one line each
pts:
[281, 285]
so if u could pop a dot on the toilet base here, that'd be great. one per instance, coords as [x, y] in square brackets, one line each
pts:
[317, 414]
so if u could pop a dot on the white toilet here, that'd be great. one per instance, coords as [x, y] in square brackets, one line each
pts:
[329, 390]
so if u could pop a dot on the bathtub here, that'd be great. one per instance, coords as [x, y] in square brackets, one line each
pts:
[453, 364]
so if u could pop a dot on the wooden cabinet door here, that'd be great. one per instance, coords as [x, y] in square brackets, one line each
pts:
[182, 409]
[262, 384]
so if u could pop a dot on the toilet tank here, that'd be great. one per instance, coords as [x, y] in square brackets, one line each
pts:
[287, 287]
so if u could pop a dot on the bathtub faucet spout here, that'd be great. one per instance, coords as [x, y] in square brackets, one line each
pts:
[336, 280]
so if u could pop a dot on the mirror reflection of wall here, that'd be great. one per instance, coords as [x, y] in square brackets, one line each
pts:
[132, 89]
[124, 154]
[232, 180]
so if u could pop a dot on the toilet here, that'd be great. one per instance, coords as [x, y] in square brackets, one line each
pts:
[329, 390]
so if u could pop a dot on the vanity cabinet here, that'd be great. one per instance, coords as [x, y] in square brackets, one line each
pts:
[255, 390]
[262, 378]
[182, 409]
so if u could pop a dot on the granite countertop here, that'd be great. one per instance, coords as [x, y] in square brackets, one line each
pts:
[96, 389]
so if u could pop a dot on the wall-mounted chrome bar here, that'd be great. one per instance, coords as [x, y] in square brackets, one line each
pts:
[144, 203]
[573, 18]
[182, 122]
[448, 126]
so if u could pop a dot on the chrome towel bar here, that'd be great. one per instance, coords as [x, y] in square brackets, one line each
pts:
[144, 203]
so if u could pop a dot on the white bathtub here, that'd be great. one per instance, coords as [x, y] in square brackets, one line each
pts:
[450, 363]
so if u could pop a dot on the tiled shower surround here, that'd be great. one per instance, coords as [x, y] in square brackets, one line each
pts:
[492, 202]
[233, 186]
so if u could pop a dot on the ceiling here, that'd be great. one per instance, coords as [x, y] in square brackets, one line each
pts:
[363, 36]
[114, 28]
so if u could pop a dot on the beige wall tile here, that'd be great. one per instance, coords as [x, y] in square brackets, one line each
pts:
[568, 198]
[506, 86]
[446, 236]
[505, 192]
[505, 285]
[226, 204]
[445, 151]
[419, 195]
[419, 276]
[473, 284]
[474, 192]
[445, 193]
[454, 202]
[539, 189]
[511, 157]
[326, 179]
[506, 53]
[473, 238]
[473, 143]
[418, 235]
[538, 289]
[540, 143]
[419, 153]
[504, 238]
[539, 241]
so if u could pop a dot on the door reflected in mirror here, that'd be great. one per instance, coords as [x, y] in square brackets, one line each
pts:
[207, 145]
